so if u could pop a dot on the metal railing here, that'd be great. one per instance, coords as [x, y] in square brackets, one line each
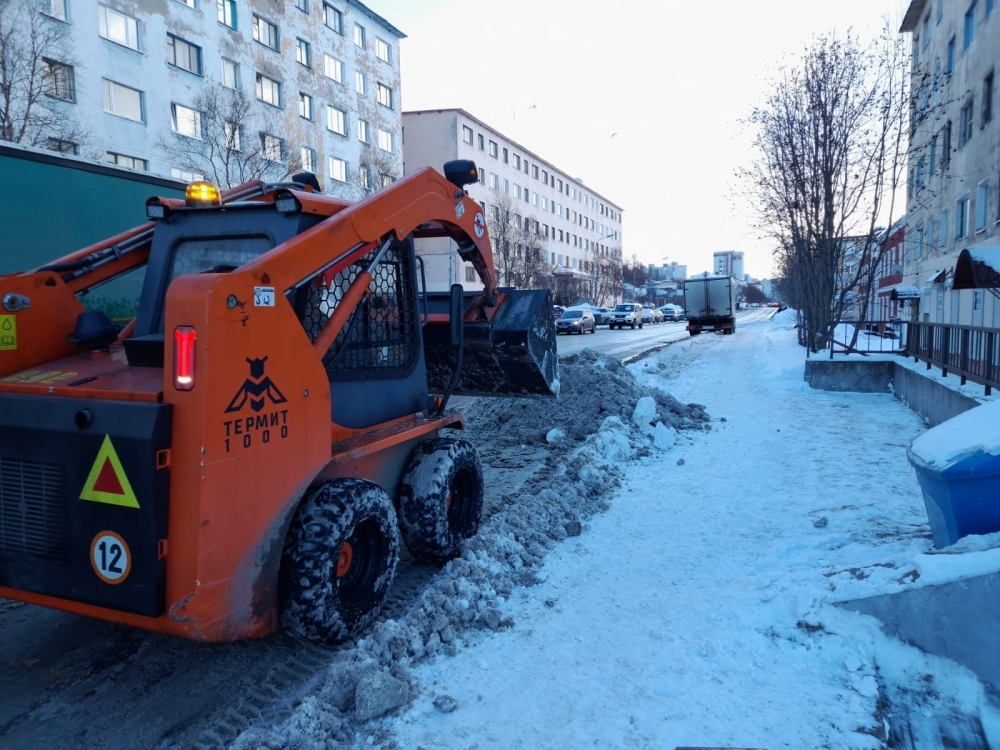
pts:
[873, 336]
[971, 352]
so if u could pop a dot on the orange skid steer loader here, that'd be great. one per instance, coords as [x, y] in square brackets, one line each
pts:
[252, 446]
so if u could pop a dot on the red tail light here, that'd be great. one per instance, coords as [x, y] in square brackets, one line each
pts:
[184, 339]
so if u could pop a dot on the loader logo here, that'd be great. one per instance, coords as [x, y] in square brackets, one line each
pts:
[257, 389]
[107, 482]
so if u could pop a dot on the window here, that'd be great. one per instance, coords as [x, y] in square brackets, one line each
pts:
[302, 5]
[57, 78]
[921, 173]
[545, 176]
[965, 124]
[385, 140]
[946, 145]
[338, 169]
[268, 90]
[305, 106]
[982, 200]
[273, 147]
[333, 18]
[185, 175]
[988, 98]
[122, 101]
[62, 146]
[227, 12]
[333, 68]
[961, 218]
[534, 171]
[970, 26]
[517, 191]
[470, 274]
[384, 95]
[950, 59]
[308, 158]
[55, 8]
[482, 176]
[381, 50]
[303, 54]
[117, 27]
[231, 131]
[467, 134]
[359, 83]
[230, 74]
[493, 149]
[130, 162]
[505, 156]
[495, 181]
[387, 179]
[517, 162]
[926, 33]
[943, 229]
[336, 120]
[188, 3]
[918, 245]
[534, 198]
[363, 176]
[933, 165]
[183, 55]
[363, 131]
[185, 121]
[265, 32]
[359, 36]
[482, 142]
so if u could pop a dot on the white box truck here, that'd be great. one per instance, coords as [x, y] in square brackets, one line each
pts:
[710, 303]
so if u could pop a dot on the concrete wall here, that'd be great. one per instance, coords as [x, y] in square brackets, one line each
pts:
[929, 398]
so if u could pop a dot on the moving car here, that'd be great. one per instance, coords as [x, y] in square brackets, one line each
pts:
[672, 313]
[627, 314]
[576, 320]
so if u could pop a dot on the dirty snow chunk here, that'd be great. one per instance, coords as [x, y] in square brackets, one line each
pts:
[612, 443]
[555, 436]
[445, 704]
[853, 663]
[378, 694]
[663, 437]
[644, 413]
[867, 687]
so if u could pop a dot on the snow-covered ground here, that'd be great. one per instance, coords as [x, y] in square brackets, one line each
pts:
[670, 575]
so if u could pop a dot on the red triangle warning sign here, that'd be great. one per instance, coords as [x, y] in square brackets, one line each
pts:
[107, 482]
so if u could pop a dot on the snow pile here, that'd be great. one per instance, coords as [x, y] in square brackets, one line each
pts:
[974, 431]
[602, 418]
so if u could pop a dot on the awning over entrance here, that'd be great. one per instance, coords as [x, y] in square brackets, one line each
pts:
[901, 291]
[565, 272]
[978, 268]
[937, 276]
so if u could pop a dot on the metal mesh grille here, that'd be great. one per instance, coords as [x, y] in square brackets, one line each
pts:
[381, 333]
[32, 516]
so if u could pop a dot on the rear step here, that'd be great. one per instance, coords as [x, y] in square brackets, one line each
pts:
[512, 355]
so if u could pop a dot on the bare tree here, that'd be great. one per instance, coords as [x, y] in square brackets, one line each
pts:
[506, 238]
[376, 169]
[239, 141]
[36, 78]
[606, 270]
[830, 151]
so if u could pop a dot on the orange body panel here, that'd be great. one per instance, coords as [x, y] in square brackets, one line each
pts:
[239, 469]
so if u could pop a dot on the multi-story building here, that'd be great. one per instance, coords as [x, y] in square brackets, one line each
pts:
[672, 271]
[575, 231]
[728, 263]
[229, 89]
[953, 198]
[889, 277]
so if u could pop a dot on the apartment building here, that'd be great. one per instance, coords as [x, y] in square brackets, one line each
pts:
[728, 263]
[575, 227]
[953, 197]
[222, 89]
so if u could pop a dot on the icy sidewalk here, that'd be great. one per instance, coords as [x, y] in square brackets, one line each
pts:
[697, 609]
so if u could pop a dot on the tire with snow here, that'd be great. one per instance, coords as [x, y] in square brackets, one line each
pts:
[440, 498]
[339, 561]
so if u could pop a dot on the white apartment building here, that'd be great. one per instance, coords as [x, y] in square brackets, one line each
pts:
[578, 225]
[728, 263]
[953, 197]
[320, 78]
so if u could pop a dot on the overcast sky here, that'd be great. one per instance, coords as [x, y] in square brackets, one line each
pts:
[673, 80]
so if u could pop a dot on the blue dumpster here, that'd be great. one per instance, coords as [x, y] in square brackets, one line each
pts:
[958, 468]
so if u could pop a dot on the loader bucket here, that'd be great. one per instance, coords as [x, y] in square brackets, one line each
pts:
[512, 355]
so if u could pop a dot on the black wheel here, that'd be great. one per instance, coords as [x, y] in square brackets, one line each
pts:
[633, 325]
[339, 561]
[640, 326]
[440, 498]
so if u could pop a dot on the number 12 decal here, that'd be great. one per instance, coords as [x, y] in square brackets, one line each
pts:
[110, 557]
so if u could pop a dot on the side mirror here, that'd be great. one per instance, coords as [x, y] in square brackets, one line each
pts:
[456, 309]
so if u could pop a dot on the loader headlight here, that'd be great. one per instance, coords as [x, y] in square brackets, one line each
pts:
[202, 194]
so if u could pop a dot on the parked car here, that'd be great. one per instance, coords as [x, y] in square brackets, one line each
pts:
[627, 314]
[656, 315]
[672, 313]
[576, 320]
[557, 310]
[605, 316]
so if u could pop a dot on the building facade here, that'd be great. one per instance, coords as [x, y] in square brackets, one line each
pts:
[953, 196]
[575, 231]
[728, 263]
[222, 89]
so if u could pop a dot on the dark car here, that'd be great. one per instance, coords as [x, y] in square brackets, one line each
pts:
[576, 320]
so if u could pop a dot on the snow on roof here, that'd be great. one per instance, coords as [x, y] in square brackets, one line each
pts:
[903, 291]
[977, 430]
[937, 276]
